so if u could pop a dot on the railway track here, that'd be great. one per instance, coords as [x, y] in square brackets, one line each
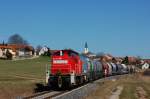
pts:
[71, 93]
[45, 95]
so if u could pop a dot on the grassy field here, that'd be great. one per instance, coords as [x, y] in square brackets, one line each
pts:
[134, 87]
[19, 78]
[131, 86]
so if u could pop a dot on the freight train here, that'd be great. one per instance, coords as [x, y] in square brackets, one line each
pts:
[69, 68]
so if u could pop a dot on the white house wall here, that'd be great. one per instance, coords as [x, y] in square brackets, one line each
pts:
[1, 53]
[21, 53]
[145, 66]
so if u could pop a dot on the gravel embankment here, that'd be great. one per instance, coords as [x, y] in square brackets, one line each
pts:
[82, 92]
[78, 93]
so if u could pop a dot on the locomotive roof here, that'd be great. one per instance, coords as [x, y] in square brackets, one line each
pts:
[69, 50]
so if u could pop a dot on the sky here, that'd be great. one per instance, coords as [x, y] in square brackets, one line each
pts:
[118, 27]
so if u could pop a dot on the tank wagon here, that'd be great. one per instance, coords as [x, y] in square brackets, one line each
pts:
[69, 68]
[125, 69]
[114, 68]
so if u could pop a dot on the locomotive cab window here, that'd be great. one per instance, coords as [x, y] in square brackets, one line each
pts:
[59, 53]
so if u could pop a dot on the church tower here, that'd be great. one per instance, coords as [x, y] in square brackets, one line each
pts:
[86, 50]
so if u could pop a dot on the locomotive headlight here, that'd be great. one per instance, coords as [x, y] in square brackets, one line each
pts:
[60, 61]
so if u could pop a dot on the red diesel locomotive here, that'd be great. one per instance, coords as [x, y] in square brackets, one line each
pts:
[66, 68]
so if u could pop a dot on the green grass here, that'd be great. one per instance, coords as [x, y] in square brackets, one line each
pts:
[20, 77]
[129, 83]
[128, 91]
[31, 67]
[132, 83]
[146, 87]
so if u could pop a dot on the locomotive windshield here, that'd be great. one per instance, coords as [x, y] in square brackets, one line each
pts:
[66, 52]
[59, 53]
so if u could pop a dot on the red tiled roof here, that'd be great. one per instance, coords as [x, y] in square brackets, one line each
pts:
[147, 60]
[15, 47]
[132, 59]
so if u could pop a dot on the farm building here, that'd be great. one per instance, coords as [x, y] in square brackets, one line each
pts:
[145, 63]
[147, 60]
[16, 50]
[145, 66]
[132, 60]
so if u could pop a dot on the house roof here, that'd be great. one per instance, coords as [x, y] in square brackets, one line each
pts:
[15, 47]
[147, 60]
[132, 59]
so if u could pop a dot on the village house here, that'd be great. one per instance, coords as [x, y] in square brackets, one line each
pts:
[145, 63]
[16, 50]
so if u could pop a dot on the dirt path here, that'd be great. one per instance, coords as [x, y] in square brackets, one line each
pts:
[116, 92]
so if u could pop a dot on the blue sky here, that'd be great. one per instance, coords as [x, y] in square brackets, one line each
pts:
[119, 27]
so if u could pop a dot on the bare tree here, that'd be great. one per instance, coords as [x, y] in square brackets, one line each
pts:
[17, 39]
